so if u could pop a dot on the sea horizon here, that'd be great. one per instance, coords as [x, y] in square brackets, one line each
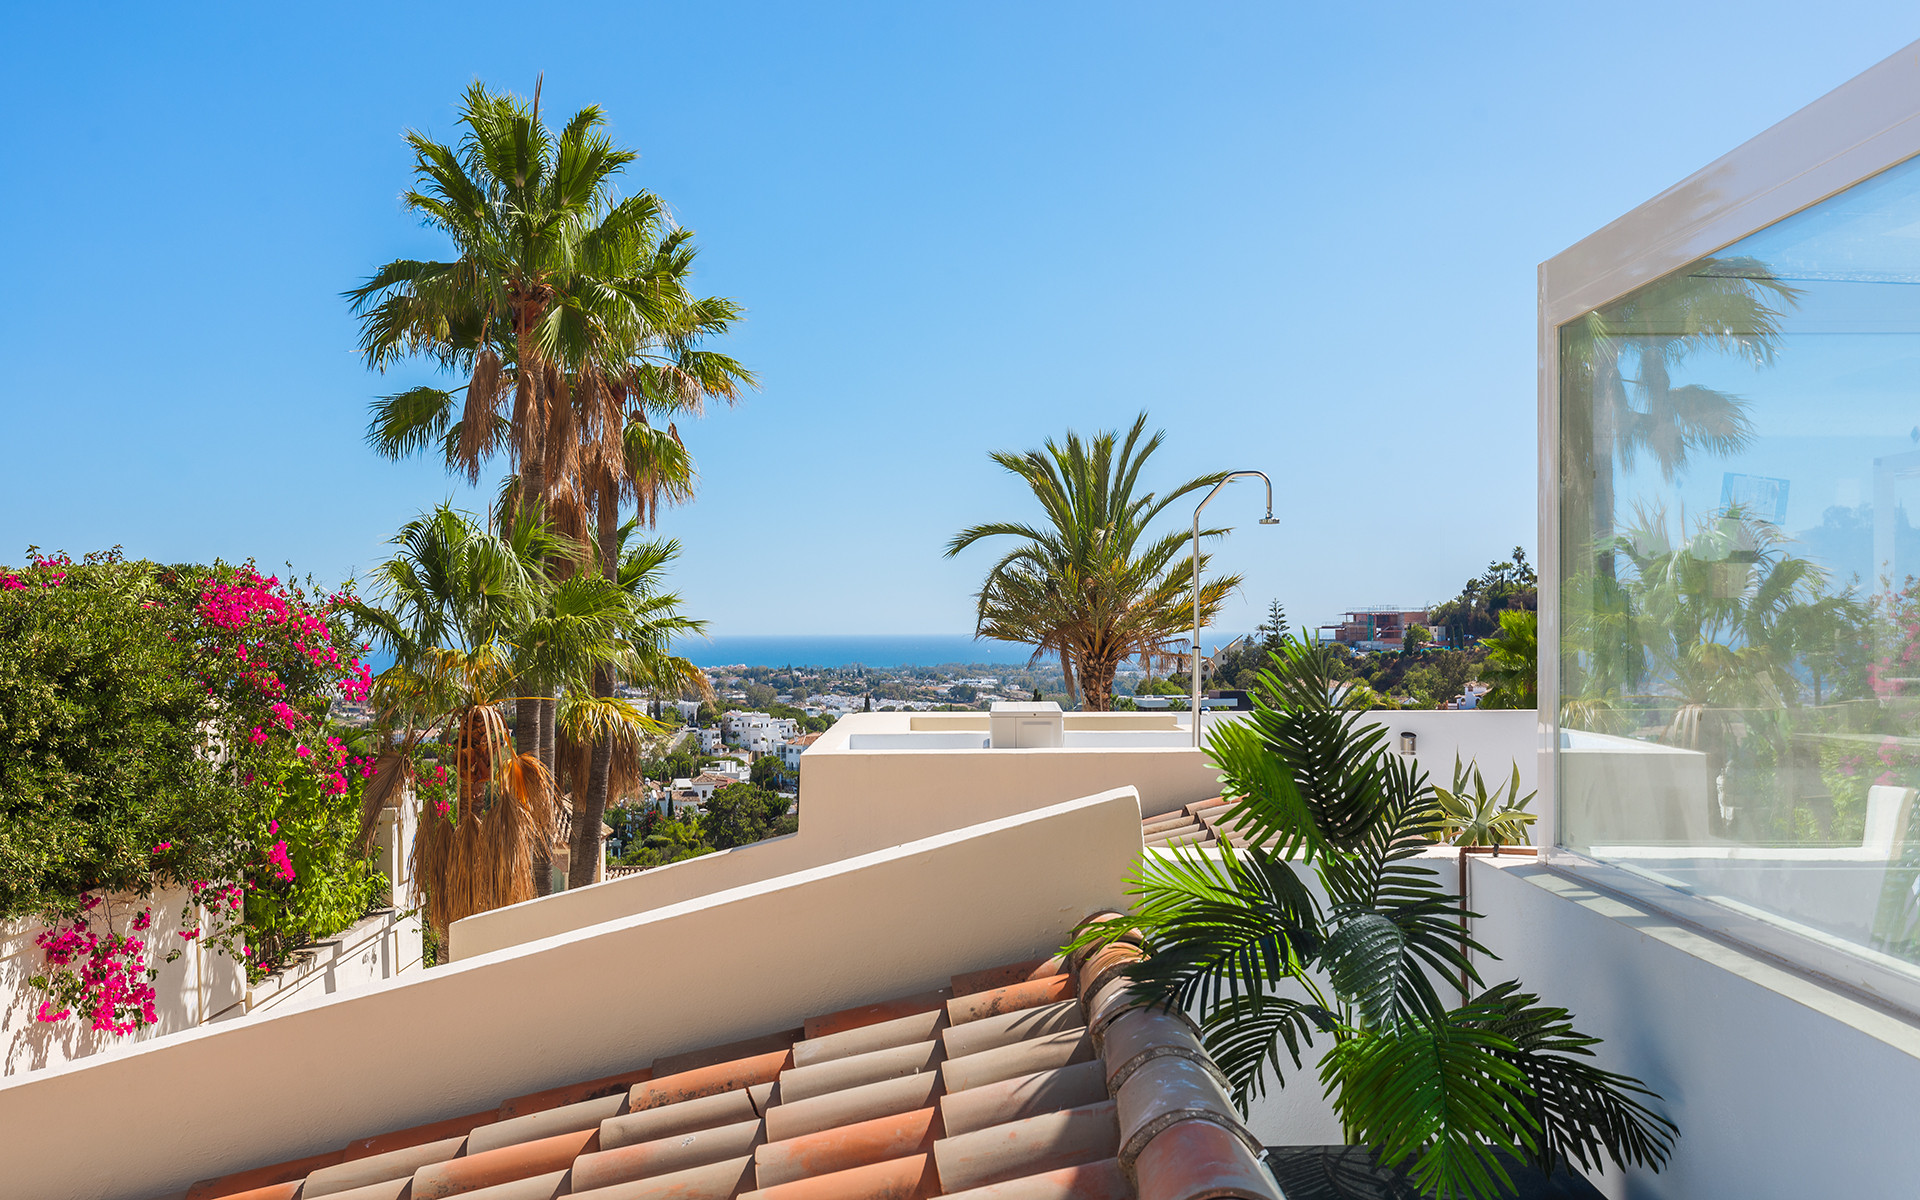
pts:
[842, 650]
[846, 650]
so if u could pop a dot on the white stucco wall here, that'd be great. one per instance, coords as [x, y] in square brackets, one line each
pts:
[857, 800]
[188, 992]
[1782, 1087]
[734, 964]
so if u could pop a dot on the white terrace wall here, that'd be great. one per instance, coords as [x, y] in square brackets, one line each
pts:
[853, 801]
[205, 985]
[1781, 1086]
[189, 992]
[735, 964]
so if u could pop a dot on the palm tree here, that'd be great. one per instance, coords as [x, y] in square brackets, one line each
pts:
[531, 216]
[1237, 938]
[1092, 584]
[452, 595]
[596, 720]
[471, 615]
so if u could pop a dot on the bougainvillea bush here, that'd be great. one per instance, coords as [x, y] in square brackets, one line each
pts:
[167, 725]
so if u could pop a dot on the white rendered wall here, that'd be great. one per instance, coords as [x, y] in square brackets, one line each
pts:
[189, 992]
[731, 965]
[856, 801]
[1781, 1087]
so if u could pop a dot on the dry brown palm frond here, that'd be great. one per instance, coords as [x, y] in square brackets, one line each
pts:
[481, 855]
[392, 775]
[527, 423]
[477, 417]
[562, 445]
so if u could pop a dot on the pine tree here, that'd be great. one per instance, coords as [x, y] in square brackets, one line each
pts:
[1274, 629]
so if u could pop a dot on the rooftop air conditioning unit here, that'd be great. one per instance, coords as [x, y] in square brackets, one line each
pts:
[1026, 725]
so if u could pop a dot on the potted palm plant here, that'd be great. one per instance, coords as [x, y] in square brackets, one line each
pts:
[1449, 1096]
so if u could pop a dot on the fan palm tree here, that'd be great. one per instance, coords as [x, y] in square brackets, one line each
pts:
[597, 719]
[545, 256]
[470, 615]
[1092, 584]
[1236, 937]
[452, 595]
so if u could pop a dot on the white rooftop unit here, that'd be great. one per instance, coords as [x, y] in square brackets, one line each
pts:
[1026, 725]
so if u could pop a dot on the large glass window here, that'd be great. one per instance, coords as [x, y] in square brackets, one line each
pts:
[1740, 656]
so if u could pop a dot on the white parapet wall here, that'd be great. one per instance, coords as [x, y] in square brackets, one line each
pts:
[737, 963]
[1781, 1084]
[188, 992]
[879, 779]
[205, 985]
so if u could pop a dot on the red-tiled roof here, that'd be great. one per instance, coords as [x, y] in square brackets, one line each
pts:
[1039, 1080]
[807, 739]
[1202, 823]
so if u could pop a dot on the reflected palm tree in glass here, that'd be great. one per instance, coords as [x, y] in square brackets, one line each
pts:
[1620, 401]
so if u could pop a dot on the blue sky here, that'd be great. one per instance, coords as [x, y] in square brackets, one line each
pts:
[1304, 240]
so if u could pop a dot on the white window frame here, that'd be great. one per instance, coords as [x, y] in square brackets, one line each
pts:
[1854, 132]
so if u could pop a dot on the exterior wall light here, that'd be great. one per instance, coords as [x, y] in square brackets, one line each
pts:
[1407, 743]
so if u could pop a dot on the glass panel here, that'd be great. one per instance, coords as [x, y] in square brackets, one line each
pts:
[1740, 660]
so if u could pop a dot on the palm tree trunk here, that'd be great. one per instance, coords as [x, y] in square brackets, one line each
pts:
[1096, 682]
[591, 809]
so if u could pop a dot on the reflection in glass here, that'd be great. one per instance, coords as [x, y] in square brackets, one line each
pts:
[1740, 654]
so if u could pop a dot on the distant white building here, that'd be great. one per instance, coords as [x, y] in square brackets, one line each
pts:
[791, 751]
[709, 740]
[758, 732]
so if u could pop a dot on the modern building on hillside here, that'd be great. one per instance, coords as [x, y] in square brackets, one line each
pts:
[1379, 628]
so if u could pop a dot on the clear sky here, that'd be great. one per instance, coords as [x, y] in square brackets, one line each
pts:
[1304, 240]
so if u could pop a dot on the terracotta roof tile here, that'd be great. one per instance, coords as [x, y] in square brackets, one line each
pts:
[708, 1081]
[432, 1131]
[998, 1088]
[997, 977]
[676, 1152]
[357, 1173]
[845, 1146]
[506, 1165]
[1102, 1180]
[873, 1014]
[606, 1085]
[240, 1183]
[1011, 998]
[909, 1178]
[673, 1064]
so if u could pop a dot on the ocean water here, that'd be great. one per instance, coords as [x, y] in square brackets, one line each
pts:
[906, 650]
[875, 650]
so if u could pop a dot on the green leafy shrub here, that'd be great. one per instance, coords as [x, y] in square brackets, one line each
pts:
[168, 725]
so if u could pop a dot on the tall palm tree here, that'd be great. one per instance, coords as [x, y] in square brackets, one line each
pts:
[526, 210]
[451, 597]
[1092, 583]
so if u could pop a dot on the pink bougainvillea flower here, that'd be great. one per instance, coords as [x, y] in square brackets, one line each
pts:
[302, 751]
[163, 846]
[258, 736]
